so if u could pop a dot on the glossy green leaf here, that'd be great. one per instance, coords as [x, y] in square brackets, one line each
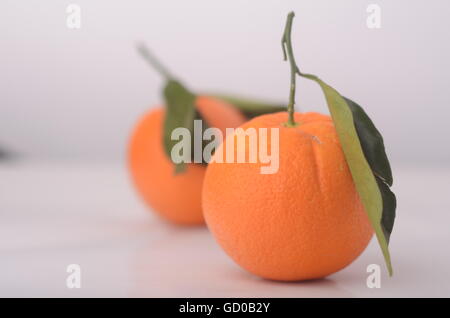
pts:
[373, 147]
[180, 112]
[374, 194]
[371, 142]
[250, 107]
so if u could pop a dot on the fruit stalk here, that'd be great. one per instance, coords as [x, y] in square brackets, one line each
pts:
[288, 54]
[153, 61]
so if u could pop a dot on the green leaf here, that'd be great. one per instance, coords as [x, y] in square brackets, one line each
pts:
[371, 142]
[389, 206]
[351, 124]
[250, 107]
[373, 148]
[180, 112]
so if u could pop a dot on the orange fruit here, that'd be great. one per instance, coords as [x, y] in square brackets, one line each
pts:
[176, 198]
[303, 222]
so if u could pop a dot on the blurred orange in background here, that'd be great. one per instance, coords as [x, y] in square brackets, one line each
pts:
[175, 197]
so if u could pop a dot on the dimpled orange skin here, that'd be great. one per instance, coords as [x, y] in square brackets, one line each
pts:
[305, 221]
[176, 198]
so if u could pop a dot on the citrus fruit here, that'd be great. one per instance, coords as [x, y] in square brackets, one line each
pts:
[175, 197]
[305, 221]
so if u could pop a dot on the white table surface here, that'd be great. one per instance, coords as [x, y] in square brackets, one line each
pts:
[56, 214]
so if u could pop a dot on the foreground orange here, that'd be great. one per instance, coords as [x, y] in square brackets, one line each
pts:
[305, 221]
[176, 198]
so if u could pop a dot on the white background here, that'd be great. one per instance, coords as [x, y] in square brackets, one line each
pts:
[69, 99]
[76, 94]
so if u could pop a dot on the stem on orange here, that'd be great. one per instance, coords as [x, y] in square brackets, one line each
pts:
[288, 54]
[153, 61]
